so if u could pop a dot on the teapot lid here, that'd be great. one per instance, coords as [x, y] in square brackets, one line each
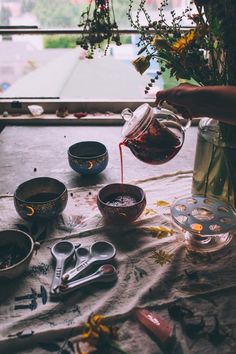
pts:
[137, 121]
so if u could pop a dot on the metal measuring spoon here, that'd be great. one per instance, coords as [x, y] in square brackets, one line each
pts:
[106, 273]
[62, 251]
[99, 252]
[81, 255]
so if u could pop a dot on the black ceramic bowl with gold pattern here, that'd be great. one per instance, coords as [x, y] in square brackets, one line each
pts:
[88, 157]
[40, 198]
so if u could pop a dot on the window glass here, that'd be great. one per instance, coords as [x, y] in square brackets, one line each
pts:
[66, 13]
[53, 66]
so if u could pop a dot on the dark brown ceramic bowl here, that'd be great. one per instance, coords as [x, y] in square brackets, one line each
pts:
[40, 198]
[16, 250]
[121, 203]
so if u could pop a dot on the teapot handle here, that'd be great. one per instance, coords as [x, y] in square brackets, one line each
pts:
[169, 109]
[126, 114]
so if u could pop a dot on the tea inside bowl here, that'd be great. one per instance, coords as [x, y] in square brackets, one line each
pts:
[42, 197]
[16, 250]
[121, 203]
[87, 149]
[10, 254]
[121, 199]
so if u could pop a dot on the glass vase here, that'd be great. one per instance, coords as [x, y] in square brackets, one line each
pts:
[215, 161]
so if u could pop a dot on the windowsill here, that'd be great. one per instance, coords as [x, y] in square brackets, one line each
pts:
[52, 119]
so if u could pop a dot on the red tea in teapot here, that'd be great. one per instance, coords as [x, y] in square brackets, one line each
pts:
[154, 136]
[157, 145]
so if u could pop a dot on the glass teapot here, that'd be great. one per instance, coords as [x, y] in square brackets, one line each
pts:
[154, 135]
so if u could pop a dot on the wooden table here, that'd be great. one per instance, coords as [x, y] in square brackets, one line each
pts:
[32, 151]
[204, 285]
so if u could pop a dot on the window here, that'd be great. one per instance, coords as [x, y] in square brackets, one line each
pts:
[40, 58]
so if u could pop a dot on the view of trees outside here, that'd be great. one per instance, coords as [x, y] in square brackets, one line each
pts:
[24, 54]
[66, 13]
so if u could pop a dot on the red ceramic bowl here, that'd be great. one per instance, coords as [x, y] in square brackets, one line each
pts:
[121, 203]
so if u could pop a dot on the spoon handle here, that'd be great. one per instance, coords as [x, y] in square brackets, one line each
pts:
[69, 287]
[57, 276]
[76, 271]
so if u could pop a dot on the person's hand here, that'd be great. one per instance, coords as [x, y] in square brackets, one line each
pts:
[183, 98]
[191, 101]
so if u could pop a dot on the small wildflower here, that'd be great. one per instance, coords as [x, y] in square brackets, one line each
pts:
[160, 43]
[141, 64]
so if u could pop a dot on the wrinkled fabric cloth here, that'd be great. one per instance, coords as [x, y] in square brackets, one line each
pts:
[204, 284]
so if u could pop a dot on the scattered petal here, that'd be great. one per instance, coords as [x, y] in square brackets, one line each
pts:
[149, 211]
[162, 203]
[159, 231]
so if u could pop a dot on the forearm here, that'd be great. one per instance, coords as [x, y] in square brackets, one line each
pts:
[218, 102]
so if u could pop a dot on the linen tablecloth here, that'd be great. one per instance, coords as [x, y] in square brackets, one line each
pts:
[205, 286]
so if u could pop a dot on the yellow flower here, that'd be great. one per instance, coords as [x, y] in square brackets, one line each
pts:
[149, 211]
[162, 203]
[183, 42]
[160, 42]
[159, 231]
[95, 337]
[141, 64]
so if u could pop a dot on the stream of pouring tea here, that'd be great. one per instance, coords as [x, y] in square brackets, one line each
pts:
[121, 162]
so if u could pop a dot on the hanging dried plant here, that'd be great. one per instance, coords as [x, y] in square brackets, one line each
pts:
[99, 25]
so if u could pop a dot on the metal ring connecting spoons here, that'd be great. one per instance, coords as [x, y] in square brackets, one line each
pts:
[99, 252]
[62, 251]
[106, 273]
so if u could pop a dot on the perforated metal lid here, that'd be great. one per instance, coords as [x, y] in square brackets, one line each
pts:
[203, 215]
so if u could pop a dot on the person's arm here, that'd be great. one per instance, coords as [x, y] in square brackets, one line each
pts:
[218, 102]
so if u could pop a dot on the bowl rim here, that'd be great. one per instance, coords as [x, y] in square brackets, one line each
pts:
[84, 157]
[28, 253]
[39, 178]
[124, 184]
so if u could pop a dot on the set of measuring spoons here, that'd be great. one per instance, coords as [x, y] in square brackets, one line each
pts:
[86, 257]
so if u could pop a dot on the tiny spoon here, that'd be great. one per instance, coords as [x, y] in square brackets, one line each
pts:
[62, 251]
[99, 252]
[81, 254]
[106, 273]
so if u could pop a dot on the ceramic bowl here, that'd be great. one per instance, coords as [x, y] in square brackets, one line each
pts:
[88, 157]
[41, 198]
[121, 203]
[16, 251]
